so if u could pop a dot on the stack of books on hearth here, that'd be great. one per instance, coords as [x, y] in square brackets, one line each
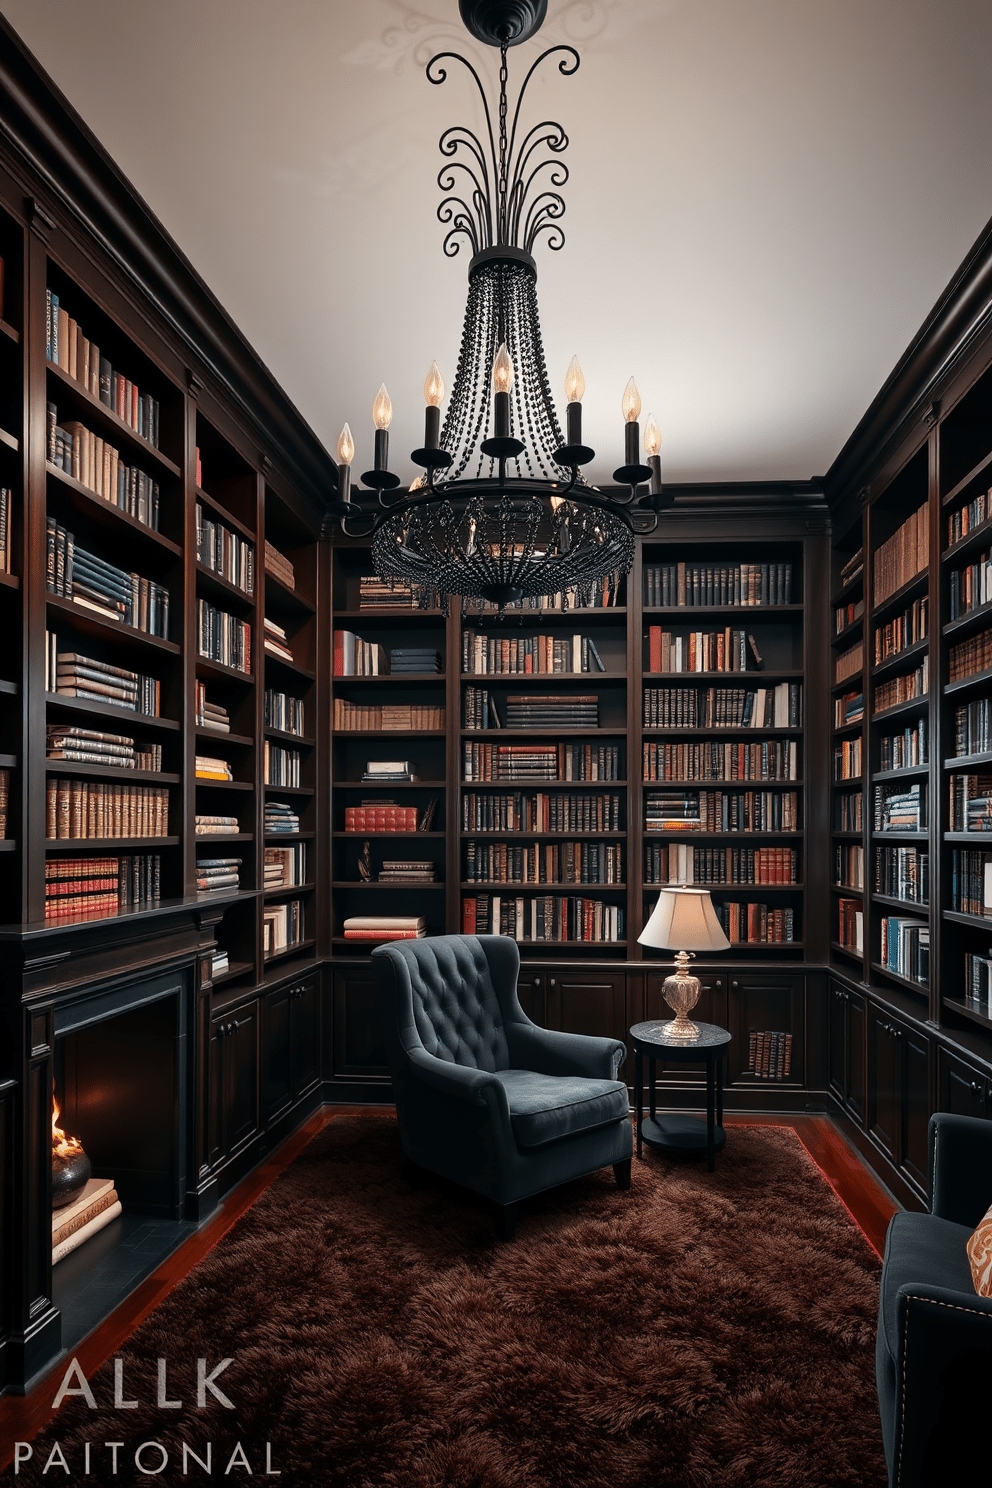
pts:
[217, 875]
[415, 659]
[278, 564]
[394, 871]
[385, 927]
[209, 768]
[280, 817]
[277, 641]
[216, 826]
[93, 1210]
[210, 715]
[568, 712]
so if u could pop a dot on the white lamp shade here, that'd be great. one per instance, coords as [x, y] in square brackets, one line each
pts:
[684, 920]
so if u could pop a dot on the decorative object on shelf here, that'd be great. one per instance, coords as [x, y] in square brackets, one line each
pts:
[683, 917]
[71, 1168]
[365, 861]
[468, 526]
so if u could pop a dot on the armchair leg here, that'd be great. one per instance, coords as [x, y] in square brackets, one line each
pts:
[506, 1220]
[621, 1172]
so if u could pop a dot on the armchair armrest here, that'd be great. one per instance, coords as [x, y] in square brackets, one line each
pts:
[960, 1167]
[456, 1080]
[942, 1385]
[549, 1052]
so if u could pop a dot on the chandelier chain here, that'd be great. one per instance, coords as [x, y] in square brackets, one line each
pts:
[503, 75]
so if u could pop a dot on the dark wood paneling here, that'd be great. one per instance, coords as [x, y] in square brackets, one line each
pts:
[961, 1088]
[595, 1004]
[359, 1051]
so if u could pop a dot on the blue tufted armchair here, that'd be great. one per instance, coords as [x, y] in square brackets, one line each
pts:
[483, 1095]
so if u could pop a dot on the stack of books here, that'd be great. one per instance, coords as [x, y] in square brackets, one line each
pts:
[278, 564]
[224, 552]
[285, 867]
[386, 772]
[110, 592]
[95, 1207]
[217, 875]
[397, 871]
[209, 768]
[380, 816]
[970, 803]
[72, 675]
[75, 887]
[223, 637]
[551, 712]
[415, 659]
[284, 712]
[5, 544]
[69, 349]
[905, 948]
[4, 798]
[852, 568]
[216, 826]
[276, 641]
[384, 594]
[90, 747]
[219, 964]
[210, 715]
[851, 925]
[282, 926]
[971, 882]
[385, 927]
[900, 811]
[978, 982]
[672, 811]
[280, 817]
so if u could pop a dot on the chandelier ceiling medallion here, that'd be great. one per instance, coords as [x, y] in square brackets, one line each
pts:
[502, 512]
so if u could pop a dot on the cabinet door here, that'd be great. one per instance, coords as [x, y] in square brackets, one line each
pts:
[961, 1088]
[767, 1020]
[359, 1047]
[884, 1092]
[914, 1048]
[305, 1004]
[846, 1049]
[595, 1004]
[857, 1056]
[837, 1073]
[277, 1080]
[234, 1080]
[711, 1008]
[531, 995]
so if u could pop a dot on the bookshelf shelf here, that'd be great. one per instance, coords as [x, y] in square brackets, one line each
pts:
[289, 790]
[901, 981]
[297, 949]
[215, 584]
[973, 620]
[284, 601]
[980, 468]
[107, 630]
[215, 670]
[201, 838]
[905, 772]
[891, 902]
[289, 668]
[298, 741]
[90, 409]
[134, 722]
[899, 659]
[9, 581]
[365, 883]
[217, 736]
[107, 844]
[235, 969]
[9, 442]
[909, 591]
[94, 508]
[11, 332]
[900, 710]
[225, 515]
[110, 772]
[288, 890]
[202, 782]
[759, 613]
[965, 684]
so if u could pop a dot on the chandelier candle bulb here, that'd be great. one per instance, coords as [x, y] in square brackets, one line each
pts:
[434, 395]
[345, 453]
[632, 434]
[382, 414]
[502, 384]
[652, 446]
[575, 386]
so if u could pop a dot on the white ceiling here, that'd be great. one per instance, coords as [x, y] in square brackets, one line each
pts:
[767, 197]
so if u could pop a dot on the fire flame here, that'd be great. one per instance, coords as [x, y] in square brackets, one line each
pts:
[62, 1146]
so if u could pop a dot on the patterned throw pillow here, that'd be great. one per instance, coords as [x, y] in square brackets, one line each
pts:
[979, 1249]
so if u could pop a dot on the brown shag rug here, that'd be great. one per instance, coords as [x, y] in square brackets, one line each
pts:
[702, 1329]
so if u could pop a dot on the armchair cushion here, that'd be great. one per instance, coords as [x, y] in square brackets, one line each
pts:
[921, 1251]
[545, 1108]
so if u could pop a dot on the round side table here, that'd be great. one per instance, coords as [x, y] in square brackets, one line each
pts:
[678, 1131]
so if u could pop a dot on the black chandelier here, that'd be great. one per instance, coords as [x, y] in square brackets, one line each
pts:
[502, 512]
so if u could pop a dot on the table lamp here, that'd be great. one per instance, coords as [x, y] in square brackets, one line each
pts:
[683, 918]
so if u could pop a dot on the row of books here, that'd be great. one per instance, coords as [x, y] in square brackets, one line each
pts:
[207, 825]
[282, 926]
[501, 655]
[562, 762]
[717, 759]
[852, 568]
[97, 464]
[352, 717]
[902, 873]
[970, 803]
[355, 657]
[275, 639]
[971, 587]
[849, 662]
[756, 924]
[81, 886]
[703, 651]
[210, 715]
[110, 592]
[384, 594]
[849, 865]
[406, 870]
[414, 660]
[547, 862]
[905, 948]
[574, 811]
[223, 637]
[279, 566]
[970, 656]
[224, 552]
[68, 348]
[283, 711]
[849, 812]
[680, 862]
[978, 982]
[971, 882]
[846, 615]
[769, 1054]
[285, 867]
[552, 711]
[89, 808]
[597, 594]
[92, 747]
[905, 554]
[973, 728]
[92, 1211]
[279, 818]
[211, 767]
[281, 766]
[721, 811]
[72, 675]
[479, 710]
[903, 689]
[4, 800]
[902, 631]
[848, 709]
[669, 584]
[218, 875]
[851, 926]
[386, 817]
[723, 707]
[898, 810]
[961, 522]
[903, 751]
[385, 927]
[6, 502]
[548, 917]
